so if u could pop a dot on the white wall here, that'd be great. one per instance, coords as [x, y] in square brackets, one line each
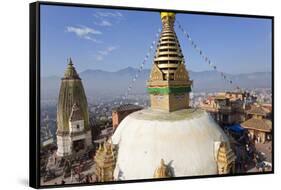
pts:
[14, 93]
[73, 126]
[64, 145]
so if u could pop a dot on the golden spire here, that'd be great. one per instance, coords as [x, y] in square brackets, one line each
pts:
[167, 14]
[162, 171]
[169, 83]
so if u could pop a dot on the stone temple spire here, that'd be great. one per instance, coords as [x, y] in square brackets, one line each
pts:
[73, 130]
[169, 83]
[70, 72]
[71, 92]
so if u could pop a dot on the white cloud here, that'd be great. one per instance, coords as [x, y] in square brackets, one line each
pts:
[108, 14]
[84, 32]
[104, 23]
[107, 18]
[103, 53]
[99, 58]
[92, 39]
[111, 48]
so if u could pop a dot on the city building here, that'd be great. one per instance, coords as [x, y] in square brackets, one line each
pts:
[187, 139]
[120, 112]
[226, 108]
[258, 111]
[46, 136]
[73, 130]
[258, 126]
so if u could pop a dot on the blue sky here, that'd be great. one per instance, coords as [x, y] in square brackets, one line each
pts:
[111, 40]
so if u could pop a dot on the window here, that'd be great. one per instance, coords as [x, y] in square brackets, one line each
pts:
[225, 118]
[78, 126]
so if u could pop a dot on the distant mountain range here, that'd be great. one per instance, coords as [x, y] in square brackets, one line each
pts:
[103, 83]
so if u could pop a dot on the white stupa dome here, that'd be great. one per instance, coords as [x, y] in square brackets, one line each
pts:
[187, 140]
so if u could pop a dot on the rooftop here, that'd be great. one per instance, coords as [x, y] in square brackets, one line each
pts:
[127, 107]
[258, 124]
[258, 110]
[220, 97]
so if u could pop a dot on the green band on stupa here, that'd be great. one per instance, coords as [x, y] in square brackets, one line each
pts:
[169, 90]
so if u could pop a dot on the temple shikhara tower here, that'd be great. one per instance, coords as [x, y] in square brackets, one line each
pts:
[170, 139]
[169, 83]
[73, 130]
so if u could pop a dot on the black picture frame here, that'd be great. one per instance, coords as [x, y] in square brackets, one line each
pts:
[34, 82]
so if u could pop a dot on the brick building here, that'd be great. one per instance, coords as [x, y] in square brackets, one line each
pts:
[119, 113]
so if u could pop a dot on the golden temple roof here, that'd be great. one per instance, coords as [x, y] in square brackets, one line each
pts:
[162, 171]
[105, 152]
[105, 162]
[225, 154]
[225, 158]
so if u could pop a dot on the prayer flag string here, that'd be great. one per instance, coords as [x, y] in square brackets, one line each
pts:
[141, 67]
[205, 57]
